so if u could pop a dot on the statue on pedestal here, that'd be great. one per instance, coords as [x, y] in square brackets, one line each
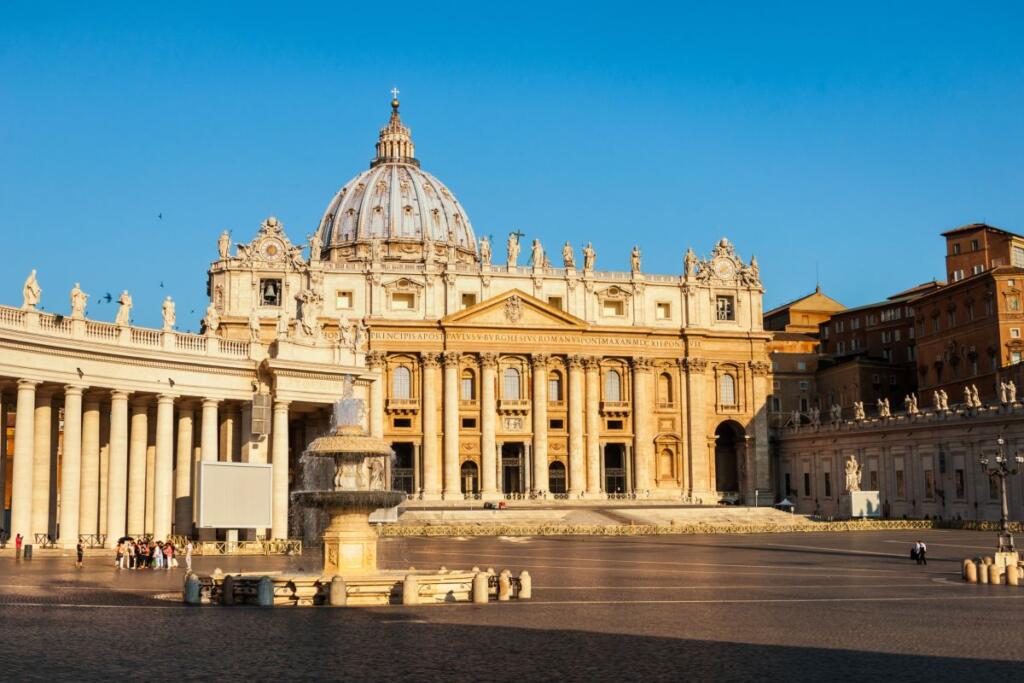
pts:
[170, 317]
[31, 292]
[537, 255]
[78, 299]
[224, 245]
[853, 473]
[485, 251]
[362, 335]
[1011, 392]
[690, 263]
[858, 411]
[634, 259]
[883, 408]
[836, 413]
[345, 335]
[589, 256]
[211, 321]
[254, 325]
[512, 247]
[568, 257]
[314, 247]
[124, 310]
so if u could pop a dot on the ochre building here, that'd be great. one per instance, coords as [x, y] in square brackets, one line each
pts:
[537, 377]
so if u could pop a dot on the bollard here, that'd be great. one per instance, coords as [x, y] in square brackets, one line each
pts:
[480, 592]
[993, 574]
[192, 590]
[227, 590]
[339, 592]
[411, 590]
[971, 572]
[1012, 576]
[504, 585]
[982, 572]
[963, 569]
[525, 585]
[988, 559]
[265, 592]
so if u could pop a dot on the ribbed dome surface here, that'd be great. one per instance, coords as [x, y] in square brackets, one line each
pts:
[395, 200]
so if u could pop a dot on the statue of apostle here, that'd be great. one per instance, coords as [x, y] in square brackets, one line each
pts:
[485, 251]
[634, 259]
[568, 257]
[170, 317]
[513, 249]
[78, 299]
[124, 311]
[31, 293]
[589, 256]
[224, 245]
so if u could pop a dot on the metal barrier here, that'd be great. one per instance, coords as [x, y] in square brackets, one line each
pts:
[92, 540]
[45, 541]
[261, 547]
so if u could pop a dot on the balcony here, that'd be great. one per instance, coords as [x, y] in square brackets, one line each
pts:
[615, 408]
[667, 405]
[514, 406]
[402, 406]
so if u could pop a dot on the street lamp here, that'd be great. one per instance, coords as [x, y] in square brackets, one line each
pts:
[1002, 470]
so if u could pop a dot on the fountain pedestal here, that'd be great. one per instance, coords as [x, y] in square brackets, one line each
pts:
[350, 543]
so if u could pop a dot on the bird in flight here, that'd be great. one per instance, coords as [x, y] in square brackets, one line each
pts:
[107, 297]
[160, 215]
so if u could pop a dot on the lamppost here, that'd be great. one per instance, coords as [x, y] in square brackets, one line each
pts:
[1002, 470]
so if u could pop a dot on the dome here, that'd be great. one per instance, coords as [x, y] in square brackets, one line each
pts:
[395, 201]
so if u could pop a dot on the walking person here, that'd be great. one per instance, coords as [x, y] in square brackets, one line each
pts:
[79, 555]
[119, 556]
[922, 553]
[914, 550]
[188, 555]
[168, 555]
[17, 546]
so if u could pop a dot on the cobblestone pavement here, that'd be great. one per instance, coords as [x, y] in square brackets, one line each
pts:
[809, 606]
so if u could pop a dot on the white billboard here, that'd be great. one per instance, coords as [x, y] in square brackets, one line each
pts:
[235, 495]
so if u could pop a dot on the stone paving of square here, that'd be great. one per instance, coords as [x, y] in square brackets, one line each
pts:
[806, 606]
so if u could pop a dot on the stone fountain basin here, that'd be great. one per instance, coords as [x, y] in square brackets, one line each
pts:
[354, 499]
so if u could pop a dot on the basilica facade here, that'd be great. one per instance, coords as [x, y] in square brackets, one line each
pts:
[538, 378]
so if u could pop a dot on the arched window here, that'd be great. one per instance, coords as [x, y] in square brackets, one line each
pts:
[468, 386]
[727, 390]
[664, 388]
[555, 386]
[401, 382]
[612, 386]
[510, 389]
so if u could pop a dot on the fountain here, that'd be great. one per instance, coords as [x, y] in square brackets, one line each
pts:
[345, 476]
[345, 473]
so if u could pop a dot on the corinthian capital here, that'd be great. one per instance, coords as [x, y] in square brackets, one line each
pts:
[430, 359]
[695, 365]
[452, 359]
[575, 362]
[489, 360]
[540, 360]
[641, 364]
[375, 359]
[760, 367]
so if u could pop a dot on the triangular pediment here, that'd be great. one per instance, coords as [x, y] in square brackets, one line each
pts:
[514, 308]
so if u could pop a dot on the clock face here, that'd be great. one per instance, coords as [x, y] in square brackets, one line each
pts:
[271, 250]
[724, 269]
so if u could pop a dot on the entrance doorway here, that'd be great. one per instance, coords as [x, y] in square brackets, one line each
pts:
[470, 479]
[614, 468]
[402, 472]
[728, 445]
[513, 468]
[556, 477]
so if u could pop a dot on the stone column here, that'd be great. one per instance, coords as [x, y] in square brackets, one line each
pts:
[163, 467]
[279, 463]
[150, 467]
[540, 422]
[139, 441]
[577, 456]
[208, 435]
[4, 408]
[643, 429]
[71, 467]
[488, 416]
[117, 475]
[89, 501]
[452, 490]
[43, 454]
[696, 431]
[431, 461]
[183, 472]
[376, 362]
[592, 369]
[24, 454]
[246, 448]
[227, 443]
[761, 476]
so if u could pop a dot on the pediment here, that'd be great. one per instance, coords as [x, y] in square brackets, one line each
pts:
[514, 308]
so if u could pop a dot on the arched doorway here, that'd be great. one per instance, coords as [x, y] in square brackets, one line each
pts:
[470, 477]
[729, 444]
[556, 477]
[513, 469]
[615, 468]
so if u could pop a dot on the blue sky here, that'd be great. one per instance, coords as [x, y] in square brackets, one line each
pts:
[843, 137]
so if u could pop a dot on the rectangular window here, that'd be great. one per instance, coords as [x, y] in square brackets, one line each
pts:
[803, 385]
[1018, 257]
[789, 485]
[977, 269]
[951, 318]
[929, 484]
[469, 423]
[663, 311]
[1013, 303]
[828, 484]
[801, 366]
[958, 480]
[776, 405]
[901, 484]
[803, 405]
[855, 324]
[807, 483]
[724, 308]
[840, 348]
[956, 247]
[342, 300]
[1015, 332]
[873, 480]
[556, 301]
[613, 309]
[467, 389]
[990, 306]
[1015, 356]
[270, 292]
[974, 245]
[615, 424]
[403, 422]
[993, 487]
[468, 300]
[556, 424]
[403, 301]
[895, 335]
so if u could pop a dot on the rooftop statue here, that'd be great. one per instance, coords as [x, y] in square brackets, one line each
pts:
[124, 311]
[169, 315]
[589, 256]
[568, 257]
[485, 251]
[31, 293]
[690, 263]
[212, 319]
[634, 259]
[513, 249]
[78, 300]
[224, 245]
[537, 255]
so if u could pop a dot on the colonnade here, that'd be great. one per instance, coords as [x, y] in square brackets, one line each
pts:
[441, 467]
[126, 461]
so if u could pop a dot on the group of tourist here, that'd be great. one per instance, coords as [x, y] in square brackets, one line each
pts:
[152, 554]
